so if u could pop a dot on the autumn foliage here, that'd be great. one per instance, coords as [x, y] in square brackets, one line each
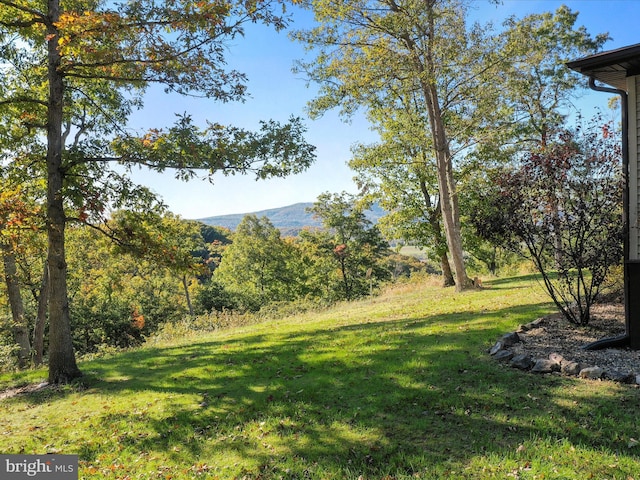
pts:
[562, 207]
[72, 73]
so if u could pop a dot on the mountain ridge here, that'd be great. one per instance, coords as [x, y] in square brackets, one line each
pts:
[289, 219]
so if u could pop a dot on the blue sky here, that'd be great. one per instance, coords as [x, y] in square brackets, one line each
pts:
[276, 93]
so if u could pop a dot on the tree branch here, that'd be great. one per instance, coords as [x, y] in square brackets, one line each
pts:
[10, 101]
[39, 17]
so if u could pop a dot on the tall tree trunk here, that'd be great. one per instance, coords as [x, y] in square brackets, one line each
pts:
[41, 318]
[444, 166]
[434, 220]
[19, 327]
[62, 361]
[451, 217]
[345, 279]
[446, 186]
[424, 65]
[493, 262]
[447, 274]
[185, 285]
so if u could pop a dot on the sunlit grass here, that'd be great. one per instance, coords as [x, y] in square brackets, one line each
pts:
[396, 386]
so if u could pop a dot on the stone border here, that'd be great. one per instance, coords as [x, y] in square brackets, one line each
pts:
[556, 363]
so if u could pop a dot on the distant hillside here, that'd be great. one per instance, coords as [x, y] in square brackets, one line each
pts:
[289, 220]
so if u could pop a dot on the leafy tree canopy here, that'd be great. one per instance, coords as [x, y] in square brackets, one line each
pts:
[73, 71]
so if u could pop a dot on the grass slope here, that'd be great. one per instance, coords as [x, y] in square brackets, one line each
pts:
[394, 387]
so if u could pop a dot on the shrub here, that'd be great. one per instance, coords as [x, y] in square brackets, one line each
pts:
[8, 356]
[213, 297]
[194, 326]
[564, 205]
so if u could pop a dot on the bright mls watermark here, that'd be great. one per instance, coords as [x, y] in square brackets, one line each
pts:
[39, 467]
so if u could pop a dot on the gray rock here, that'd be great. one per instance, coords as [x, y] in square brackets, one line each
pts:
[496, 348]
[637, 379]
[570, 368]
[556, 357]
[504, 355]
[522, 361]
[544, 365]
[593, 373]
[536, 323]
[510, 339]
[619, 377]
[532, 325]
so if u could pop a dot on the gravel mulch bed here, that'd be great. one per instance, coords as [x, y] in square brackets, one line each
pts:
[555, 335]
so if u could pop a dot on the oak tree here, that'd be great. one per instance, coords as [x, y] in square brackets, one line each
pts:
[73, 70]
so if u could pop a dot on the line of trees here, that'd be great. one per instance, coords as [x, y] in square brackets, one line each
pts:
[129, 275]
[341, 261]
[456, 105]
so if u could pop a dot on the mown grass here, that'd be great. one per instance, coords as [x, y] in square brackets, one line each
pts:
[394, 387]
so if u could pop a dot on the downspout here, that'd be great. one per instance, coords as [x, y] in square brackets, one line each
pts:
[622, 340]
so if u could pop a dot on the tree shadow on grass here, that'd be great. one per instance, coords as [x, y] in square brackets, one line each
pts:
[508, 282]
[398, 397]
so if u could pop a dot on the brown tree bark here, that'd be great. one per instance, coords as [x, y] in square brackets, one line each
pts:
[424, 64]
[41, 318]
[19, 327]
[434, 220]
[62, 361]
[449, 198]
[444, 167]
[447, 274]
[185, 285]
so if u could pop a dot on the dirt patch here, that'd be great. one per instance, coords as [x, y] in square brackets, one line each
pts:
[34, 387]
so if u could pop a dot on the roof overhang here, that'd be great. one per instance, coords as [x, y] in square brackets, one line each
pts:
[611, 67]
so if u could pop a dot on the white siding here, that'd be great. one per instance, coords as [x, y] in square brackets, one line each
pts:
[634, 166]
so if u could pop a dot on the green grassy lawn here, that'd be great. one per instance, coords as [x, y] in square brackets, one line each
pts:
[395, 387]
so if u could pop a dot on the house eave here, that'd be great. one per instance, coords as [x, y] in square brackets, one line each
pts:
[611, 67]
